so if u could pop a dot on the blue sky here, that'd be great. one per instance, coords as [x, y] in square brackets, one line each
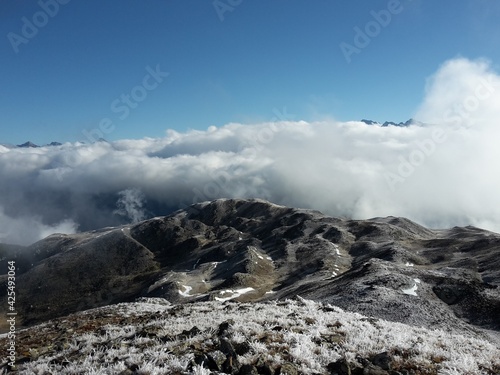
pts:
[239, 66]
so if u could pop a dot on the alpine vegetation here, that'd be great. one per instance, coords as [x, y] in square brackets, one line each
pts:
[153, 337]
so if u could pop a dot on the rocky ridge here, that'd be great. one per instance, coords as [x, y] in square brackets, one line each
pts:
[392, 123]
[252, 250]
[253, 257]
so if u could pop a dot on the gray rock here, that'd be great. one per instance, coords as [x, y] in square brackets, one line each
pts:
[339, 367]
[374, 370]
[287, 368]
[201, 359]
[263, 367]
[383, 360]
[227, 347]
[217, 358]
[242, 348]
[449, 294]
[231, 365]
[248, 370]
[224, 328]
[189, 334]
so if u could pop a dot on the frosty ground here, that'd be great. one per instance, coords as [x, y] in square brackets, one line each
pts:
[300, 336]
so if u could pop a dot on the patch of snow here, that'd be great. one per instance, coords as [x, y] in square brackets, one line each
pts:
[215, 264]
[271, 292]
[126, 231]
[244, 290]
[331, 244]
[235, 293]
[413, 290]
[185, 292]
[408, 264]
[335, 248]
[334, 274]
[103, 234]
[204, 204]
[252, 248]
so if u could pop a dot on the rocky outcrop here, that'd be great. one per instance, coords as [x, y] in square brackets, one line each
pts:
[252, 250]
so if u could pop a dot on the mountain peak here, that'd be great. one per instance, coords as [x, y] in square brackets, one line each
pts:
[28, 144]
[391, 123]
[369, 122]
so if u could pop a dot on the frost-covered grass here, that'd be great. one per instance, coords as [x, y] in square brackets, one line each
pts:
[159, 338]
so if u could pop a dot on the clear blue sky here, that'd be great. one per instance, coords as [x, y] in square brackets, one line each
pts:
[263, 55]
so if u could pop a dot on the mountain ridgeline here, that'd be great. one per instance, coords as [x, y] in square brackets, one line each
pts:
[253, 250]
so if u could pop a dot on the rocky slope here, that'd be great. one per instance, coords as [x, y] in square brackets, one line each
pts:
[252, 250]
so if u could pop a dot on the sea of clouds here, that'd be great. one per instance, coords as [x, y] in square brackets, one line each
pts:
[441, 171]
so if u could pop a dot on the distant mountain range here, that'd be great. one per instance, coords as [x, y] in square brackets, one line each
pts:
[29, 144]
[390, 123]
[411, 121]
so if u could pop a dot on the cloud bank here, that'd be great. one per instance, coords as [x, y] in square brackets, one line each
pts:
[441, 173]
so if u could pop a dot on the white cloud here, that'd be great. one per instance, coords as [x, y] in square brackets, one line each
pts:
[131, 205]
[27, 230]
[442, 174]
[462, 93]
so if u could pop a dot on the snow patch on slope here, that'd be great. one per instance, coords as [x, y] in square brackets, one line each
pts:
[413, 290]
[185, 292]
[234, 294]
